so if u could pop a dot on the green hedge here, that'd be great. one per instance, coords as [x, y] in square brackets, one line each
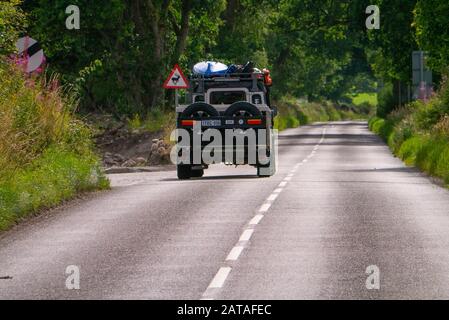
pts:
[426, 149]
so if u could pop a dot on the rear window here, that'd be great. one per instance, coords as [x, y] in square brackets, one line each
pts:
[227, 97]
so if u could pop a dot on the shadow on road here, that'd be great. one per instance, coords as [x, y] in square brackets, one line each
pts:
[217, 178]
[332, 140]
[380, 170]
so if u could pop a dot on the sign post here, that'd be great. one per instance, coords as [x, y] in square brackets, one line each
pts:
[31, 52]
[422, 76]
[176, 80]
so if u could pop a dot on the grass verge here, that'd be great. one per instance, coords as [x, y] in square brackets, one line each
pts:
[46, 154]
[417, 142]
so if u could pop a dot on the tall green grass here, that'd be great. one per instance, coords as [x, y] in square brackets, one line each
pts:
[46, 154]
[419, 133]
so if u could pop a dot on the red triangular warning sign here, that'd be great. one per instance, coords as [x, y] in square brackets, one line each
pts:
[176, 79]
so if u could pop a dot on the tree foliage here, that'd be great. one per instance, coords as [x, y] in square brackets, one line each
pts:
[432, 31]
[12, 23]
[394, 43]
[315, 49]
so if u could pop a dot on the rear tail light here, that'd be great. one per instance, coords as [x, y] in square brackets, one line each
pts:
[187, 123]
[254, 121]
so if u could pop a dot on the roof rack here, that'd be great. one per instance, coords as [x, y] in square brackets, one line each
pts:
[255, 77]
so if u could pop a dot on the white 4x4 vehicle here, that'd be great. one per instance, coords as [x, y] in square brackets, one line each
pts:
[236, 104]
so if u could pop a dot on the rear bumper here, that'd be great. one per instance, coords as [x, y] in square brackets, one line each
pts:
[223, 123]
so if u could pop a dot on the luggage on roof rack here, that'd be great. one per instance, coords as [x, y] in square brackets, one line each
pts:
[210, 69]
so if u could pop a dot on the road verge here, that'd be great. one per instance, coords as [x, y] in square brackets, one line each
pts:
[419, 134]
[46, 154]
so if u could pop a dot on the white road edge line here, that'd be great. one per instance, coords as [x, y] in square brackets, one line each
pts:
[283, 184]
[220, 277]
[272, 197]
[278, 190]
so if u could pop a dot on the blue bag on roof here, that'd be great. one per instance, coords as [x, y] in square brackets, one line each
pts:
[210, 69]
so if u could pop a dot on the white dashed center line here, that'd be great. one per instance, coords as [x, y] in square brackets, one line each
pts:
[220, 277]
[246, 235]
[257, 218]
[282, 184]
[222, 274]
[235, 253]
[272, 197]
[265, 207]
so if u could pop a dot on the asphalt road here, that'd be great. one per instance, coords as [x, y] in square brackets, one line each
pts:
[339, 203]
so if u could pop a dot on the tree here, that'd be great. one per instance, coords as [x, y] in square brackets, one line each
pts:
[317, 47]
[395, 41]
[121, 53]
[242, 35]
[432, 33]
[12, 23]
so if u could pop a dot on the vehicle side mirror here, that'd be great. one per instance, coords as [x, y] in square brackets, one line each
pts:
[274, 111]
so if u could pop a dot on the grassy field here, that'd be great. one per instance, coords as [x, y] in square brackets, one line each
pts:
[46, 154]
[361, 98]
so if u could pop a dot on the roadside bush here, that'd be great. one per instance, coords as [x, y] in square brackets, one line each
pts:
[429, 156]
[46, 154]
[419, 133]
[386, 101]
[409, 149]
[12, 22]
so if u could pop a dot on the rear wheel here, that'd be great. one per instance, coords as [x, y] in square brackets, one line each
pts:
[266, 171]
[200, 110]
[184, 171]
[243, 109]
[197, 173]
[269, 169]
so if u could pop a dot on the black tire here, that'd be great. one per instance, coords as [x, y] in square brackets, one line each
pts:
[268, 170]
[184, 171]
[243, 109]
[200, 110]
[197, 173]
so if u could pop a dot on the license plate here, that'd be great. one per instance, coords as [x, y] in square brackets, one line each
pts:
[211, 123]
